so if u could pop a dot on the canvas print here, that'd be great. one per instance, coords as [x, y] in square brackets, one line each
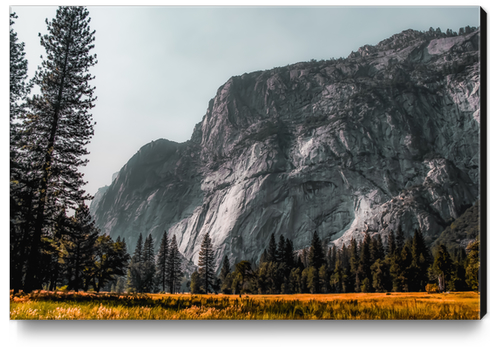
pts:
[286, 163]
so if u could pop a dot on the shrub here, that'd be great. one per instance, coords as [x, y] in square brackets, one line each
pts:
[432, 288]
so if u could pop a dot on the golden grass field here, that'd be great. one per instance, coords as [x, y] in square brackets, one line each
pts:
[110, 306]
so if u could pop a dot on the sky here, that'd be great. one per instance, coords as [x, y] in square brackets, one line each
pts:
[159, 66]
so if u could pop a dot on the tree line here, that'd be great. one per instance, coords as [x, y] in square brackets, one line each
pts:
[402, 264]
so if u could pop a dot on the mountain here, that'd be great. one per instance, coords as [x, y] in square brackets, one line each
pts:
[464, 230]
[385, 137]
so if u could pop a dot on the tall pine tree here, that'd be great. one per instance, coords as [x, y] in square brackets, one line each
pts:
[61, 125]
[174, 267]
[162, 262]
[206, 263]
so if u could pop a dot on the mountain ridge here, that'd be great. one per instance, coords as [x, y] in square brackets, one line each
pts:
[361, 144]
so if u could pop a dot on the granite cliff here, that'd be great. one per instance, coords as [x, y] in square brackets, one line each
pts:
[386, 136]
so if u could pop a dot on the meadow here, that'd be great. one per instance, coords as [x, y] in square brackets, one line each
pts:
[44, 305]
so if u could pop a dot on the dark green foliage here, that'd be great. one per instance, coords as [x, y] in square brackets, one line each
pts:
[111, 260]
[196, 285]
[243, 278]
[77, 248]
[161, 263]
[149, 268]
[225, 276]
[365, 259]
[135, 269]
[338, 278]
[315, 253]
[399, 239]
[391, 243]
[473, 267]
[313, 280]
[281, 250]
[272, 250]
[421, 260]
[323, 279]
[381, 280]
[173, 267]
[443, 266]
[206, 263]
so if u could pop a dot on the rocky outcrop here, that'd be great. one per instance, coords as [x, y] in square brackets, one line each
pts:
[387, 136]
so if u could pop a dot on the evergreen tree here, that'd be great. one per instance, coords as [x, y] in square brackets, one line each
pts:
[149, 268]
[406, 273]
[295, 281]
[381, 280]
[354, 265]
[289, 255]
[399, 239]
[19, 85]
[225, 277]
[174, 267]
[338, 278]
[365, 260]
[206, 263]
[420, 263]
[196, 285]
[61, 125]
[111, 260]
[315, 253]
[323, 279]
[391, 243]
[281, 250]
[443, 266]
[313, 280]
[78, 248]
[473, 267]
[135, 269]
[272, 250]
[161, 263]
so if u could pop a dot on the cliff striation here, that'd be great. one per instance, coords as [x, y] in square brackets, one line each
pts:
[387, 136]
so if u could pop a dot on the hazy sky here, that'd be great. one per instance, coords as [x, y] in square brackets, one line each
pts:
[158, 67]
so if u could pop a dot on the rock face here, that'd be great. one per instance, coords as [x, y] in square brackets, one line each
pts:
[387, 136]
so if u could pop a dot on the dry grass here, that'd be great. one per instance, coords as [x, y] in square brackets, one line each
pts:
[91, 306]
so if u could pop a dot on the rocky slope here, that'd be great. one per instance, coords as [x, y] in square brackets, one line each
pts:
[387, 136]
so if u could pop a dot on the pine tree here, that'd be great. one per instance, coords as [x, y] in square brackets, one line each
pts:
[162, 262]
[281, 250]
[78, 248]
[399, 239]
[135, 269]
[313, 280]
[19, 85]
[365, 261]
[111, 260]
[315, 254]
[289, 255]
[406, 272]
[225, 276]
[61, 125]
[272, 250]
[148, 265]
[420, 262]
[173, 267]
[196, 285]
[443, 266]
[473, 267]
[206, 263]
[391, 243]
